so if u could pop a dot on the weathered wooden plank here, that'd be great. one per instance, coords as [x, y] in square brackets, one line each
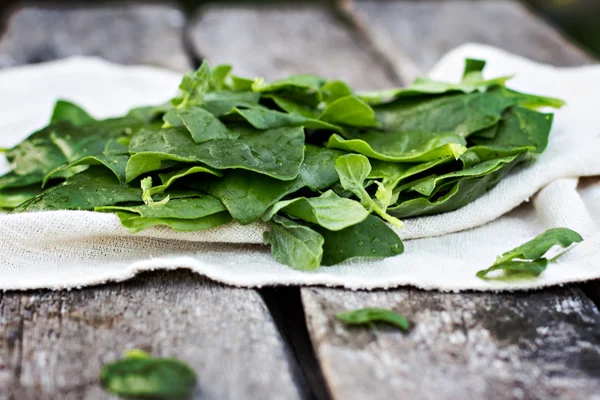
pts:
[467, 346]
[276, 41]
[457, 336]
[413, 34]
[128, 34]
[53, 344]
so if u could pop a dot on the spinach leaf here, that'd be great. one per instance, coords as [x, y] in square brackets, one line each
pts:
[39, 153]
[462, 114]
[247, 195]
[115, 163]
[219, 76]
[134, 223]
[370, 315]
[203, 125]
[91, 188]
[350, 110]
[140, 375]
[458, 195]
[70, 112]
[537, 247]
[292, 107]
[328, 210]
[170, 177]
[427, 186]
[515, 269]
[334, 90]
[220, 103]
[185, 208]
[300, 82]
[472, 81]
[527, 259]
[353, 169]
[263, 118]
[294, 244]
[391, 174]
[519, 128]
[13, 197]
[371, 238]
[276, 152]
[401, 146]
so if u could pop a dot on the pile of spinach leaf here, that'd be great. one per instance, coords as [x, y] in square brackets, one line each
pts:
[326, 167]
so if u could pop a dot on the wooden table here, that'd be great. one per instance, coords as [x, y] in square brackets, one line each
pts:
[284, 343]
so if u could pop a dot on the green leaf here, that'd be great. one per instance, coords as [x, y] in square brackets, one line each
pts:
[328, 210]
[140, 375]
[333, 90]
[70, 112]
[277, 152]
[292, 107]
[537, 247]
[294, 244]
[170, 177]
[391, 174]
[353, 169]
[371, 238]
[515, 269]
[530, 101]
[13, 197]
[263, 118]
[350, 110]
[220, 73]
[300, 82]
[369, 315]
[94, 187]
[401, 146]
[146, 185]
[220, 103]
[240, 83]
[115, 163]
[247, 195]
[63, 143]
[427, 186]
[462, 114]
[193, 86]
[519, 128]
[135, 224]
[458, 194]
[185, 208]
[204, 126]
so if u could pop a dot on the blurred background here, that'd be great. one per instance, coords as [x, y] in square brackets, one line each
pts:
[578, 20]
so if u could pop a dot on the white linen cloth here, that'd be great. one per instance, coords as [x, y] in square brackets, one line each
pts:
[63, 249]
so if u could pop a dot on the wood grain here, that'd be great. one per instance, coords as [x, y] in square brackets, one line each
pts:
[462, 346]
[127, 34]
[276, 41]
[53, 344]
[413, 34]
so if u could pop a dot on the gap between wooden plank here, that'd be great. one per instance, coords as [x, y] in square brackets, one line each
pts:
[286, 308]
